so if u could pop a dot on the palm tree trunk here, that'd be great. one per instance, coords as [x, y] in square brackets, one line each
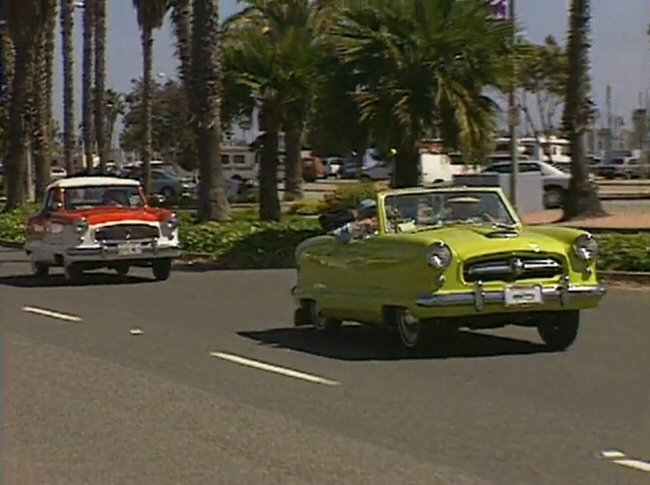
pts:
[39, 122]
[100, 82]
[405, 167]
[293, 165]
[182, 20]
[581, 200]
[269, 201]
[147, 55]
[206, 84]
[87, 111]
[16, 164]
[67, 43]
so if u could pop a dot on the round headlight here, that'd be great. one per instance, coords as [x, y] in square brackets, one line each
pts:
[171, 222]
[439, 256]
[585, 247]
[80, 226]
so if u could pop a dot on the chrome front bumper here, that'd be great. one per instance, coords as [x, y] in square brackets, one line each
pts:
[106, 250]
[565, 293]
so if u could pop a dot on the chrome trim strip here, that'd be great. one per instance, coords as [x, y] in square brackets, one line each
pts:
[479, 298]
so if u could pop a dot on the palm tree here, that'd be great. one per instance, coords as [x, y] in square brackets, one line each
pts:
[182, 20]
[292, 27]
[151, 14]
[25, 22]
[67, 50]
[100, 81]
[582, 199]
[41, 122]
[205, 99]
[87, 81]
[423, 66]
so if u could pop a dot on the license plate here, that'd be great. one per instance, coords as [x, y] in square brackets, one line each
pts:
[523, 295]
[128, 249]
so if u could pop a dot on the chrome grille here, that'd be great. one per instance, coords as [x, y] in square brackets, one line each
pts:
[509, 268]
[123, 232]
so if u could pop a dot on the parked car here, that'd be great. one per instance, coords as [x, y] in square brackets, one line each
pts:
[333, 166]
[313, 169]
[89, 223]
[624, 167]
[446, 258]
[555, 181]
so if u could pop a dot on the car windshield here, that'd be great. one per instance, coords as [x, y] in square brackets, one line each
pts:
[417, 211]
[89, 197]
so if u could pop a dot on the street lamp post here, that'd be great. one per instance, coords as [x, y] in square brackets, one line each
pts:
[513, 112]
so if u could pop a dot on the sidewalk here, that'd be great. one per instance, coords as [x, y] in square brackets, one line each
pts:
[633, 222]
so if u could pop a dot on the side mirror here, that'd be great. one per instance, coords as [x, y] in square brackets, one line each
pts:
[156, 200]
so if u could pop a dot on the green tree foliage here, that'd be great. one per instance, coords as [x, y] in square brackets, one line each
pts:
[423, 66]
[171, 135]
[543, 73]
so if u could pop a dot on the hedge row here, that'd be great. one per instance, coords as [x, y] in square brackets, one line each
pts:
[245, 242]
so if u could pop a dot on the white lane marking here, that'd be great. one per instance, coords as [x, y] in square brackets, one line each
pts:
[51, 314]
[612, 454]
[273, 368]
[135, 331]
[622, 460]
[636, 464]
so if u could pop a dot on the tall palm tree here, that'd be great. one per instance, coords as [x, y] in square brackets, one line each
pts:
[41, 121]
[292, 27]
[100, 82]
[151, 14]
[182, 20]
[205, 99]
[25, 22]
[87, 82]
[581, 199]
[423, 66]
[6, 77]
[67, 50]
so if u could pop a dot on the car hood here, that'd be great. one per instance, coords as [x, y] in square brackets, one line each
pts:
[119, 214]
[470, 241]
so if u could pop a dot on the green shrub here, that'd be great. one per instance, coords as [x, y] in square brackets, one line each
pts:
[13, 224]
[348, 196]
[624, 252]
[307, 207]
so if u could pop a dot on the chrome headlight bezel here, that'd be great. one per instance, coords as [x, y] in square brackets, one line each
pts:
[169, 225]
[586, 248]
[80, 226]
[439, 256]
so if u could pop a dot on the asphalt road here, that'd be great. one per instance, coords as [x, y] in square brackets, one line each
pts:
[85, 401]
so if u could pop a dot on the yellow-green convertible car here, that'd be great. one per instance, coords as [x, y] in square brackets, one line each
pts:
[442, 259]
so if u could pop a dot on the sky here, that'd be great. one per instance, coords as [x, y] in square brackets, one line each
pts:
[620, 51]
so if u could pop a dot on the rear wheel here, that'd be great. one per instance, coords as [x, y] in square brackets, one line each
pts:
[162, 268]
[553, 198]
[122, 269]
[559, 331]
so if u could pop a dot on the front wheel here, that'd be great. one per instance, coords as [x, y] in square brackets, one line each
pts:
[559, 331]
[162, 268]
[73, 272]
[40, 269]
[409, 327]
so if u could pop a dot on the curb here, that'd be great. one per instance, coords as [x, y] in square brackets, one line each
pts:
[640, 277]
[11, 244]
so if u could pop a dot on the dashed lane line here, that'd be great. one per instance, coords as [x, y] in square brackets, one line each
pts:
[51, 314]
[619, 458]
[274, 369]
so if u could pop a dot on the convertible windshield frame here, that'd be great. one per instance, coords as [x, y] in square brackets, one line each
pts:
[384, 199]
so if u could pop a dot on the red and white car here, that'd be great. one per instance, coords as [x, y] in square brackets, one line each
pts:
[101, 222]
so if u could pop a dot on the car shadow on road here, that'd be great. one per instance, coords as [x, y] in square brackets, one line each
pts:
[89, 279]
[357, 343]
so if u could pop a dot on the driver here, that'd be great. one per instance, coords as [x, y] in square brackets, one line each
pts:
[366, 216]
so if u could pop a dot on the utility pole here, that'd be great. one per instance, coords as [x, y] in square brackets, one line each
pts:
[513, 111]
